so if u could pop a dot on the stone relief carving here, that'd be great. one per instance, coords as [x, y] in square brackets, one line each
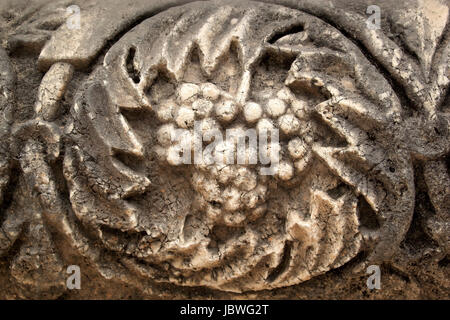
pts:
[94, 173]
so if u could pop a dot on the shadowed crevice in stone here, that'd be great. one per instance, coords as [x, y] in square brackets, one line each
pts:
[280, 34]
[8, 195]
[284, 263]
[367, 216]
[443, 263]
[131, 69]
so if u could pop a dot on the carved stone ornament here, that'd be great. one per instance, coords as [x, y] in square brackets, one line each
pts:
[111, 119]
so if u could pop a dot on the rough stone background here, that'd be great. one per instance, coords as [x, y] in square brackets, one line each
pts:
[418, 270]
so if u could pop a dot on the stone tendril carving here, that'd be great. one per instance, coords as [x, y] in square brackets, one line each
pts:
[123, 200]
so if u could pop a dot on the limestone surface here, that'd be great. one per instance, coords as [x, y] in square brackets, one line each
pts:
[224, 149]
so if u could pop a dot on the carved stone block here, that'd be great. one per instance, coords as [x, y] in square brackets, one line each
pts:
[224, 149]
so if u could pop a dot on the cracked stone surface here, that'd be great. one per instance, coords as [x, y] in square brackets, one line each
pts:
[90, 171]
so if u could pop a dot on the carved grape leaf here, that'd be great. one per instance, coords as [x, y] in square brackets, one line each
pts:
[421, 27]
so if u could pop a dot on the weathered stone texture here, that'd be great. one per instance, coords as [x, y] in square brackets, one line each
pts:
[93, 121]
